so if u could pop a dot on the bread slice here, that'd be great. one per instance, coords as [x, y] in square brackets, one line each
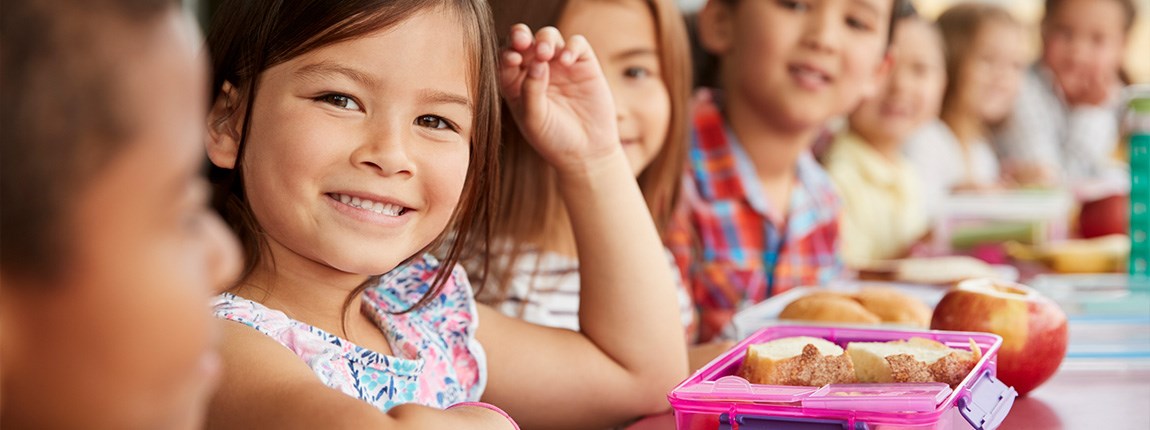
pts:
[799, 360]
[914, 360]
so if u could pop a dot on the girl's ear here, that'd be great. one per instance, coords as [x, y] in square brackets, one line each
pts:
[716, 27]
[224, 122]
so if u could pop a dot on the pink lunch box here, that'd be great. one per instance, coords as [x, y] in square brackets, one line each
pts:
[713, 398]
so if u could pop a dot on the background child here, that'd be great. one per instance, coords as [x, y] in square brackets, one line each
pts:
[372, 136]
[1064, 126]
[643, 49]
[760, 215]
[884, 211]
[984, 61]
[109, 252]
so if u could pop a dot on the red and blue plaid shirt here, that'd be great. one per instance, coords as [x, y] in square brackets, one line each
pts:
[729, 251]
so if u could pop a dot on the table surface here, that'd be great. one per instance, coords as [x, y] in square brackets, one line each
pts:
[1103, 394]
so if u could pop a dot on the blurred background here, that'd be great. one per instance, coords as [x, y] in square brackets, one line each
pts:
[1030, 12]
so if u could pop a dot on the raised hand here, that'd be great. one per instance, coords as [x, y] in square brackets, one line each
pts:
[559, 97]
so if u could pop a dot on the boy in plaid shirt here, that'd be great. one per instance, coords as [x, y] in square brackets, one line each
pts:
[759, 215]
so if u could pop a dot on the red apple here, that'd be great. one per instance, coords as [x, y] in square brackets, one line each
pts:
[1033, 327]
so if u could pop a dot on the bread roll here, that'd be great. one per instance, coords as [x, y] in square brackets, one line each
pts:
[829, 307]
[800, 360]
[870, 305]
[914, 360]
[892, 306]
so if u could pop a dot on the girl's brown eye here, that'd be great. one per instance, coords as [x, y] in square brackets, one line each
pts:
[432, 121]
[340, 101]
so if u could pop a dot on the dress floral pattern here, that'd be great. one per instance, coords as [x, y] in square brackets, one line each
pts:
[438, 362]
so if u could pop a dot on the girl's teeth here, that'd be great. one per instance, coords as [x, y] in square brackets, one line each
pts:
[377, 207]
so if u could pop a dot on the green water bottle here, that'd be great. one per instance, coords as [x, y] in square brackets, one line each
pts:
[1136, 123]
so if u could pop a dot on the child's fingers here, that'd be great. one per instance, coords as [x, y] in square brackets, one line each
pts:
[548, 41]
[534, 88]
[521, 38]
[511, 74]
[577, 49]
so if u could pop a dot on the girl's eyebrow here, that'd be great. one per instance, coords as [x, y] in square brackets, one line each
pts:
[868, 5]
[635, 52]
[325, 69]
[443, 97]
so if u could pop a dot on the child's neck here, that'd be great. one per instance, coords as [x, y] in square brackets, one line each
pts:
[303, 289]
[966, 127]
[889, 148]
[774, 151]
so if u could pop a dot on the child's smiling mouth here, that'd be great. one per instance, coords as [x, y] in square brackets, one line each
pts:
[809, 77]
[381, 208]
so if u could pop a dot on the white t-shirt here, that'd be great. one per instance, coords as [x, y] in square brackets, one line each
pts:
[545, 291]
[939, 158]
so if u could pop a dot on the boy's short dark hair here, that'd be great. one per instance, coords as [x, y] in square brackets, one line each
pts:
[62, 119]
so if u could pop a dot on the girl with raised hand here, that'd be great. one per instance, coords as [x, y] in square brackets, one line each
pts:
[350, 139]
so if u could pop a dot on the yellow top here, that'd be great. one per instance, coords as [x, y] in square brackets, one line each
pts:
[883, 209]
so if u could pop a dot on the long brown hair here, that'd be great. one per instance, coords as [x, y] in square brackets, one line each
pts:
[959, 25]
[529, 191]
[249, 36]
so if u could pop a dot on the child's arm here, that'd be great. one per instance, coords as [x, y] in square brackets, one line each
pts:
[631, 350]
[265, 385]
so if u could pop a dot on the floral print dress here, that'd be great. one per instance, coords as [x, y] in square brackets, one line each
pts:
[438, 362]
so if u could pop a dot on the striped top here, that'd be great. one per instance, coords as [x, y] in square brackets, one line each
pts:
[729, 251]
[545, 291]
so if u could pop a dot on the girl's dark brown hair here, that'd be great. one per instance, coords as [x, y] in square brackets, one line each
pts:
[529, 189]
[249, 36]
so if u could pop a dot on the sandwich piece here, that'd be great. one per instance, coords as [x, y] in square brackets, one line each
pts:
[914, 360]
[800, 360]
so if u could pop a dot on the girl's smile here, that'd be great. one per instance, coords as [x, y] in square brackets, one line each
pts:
[370, 208]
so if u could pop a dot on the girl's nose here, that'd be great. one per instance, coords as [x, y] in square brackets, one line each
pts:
[386, 152]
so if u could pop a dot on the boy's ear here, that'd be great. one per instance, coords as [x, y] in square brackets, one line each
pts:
[716, 27]
[880, 74]
[224, 125]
